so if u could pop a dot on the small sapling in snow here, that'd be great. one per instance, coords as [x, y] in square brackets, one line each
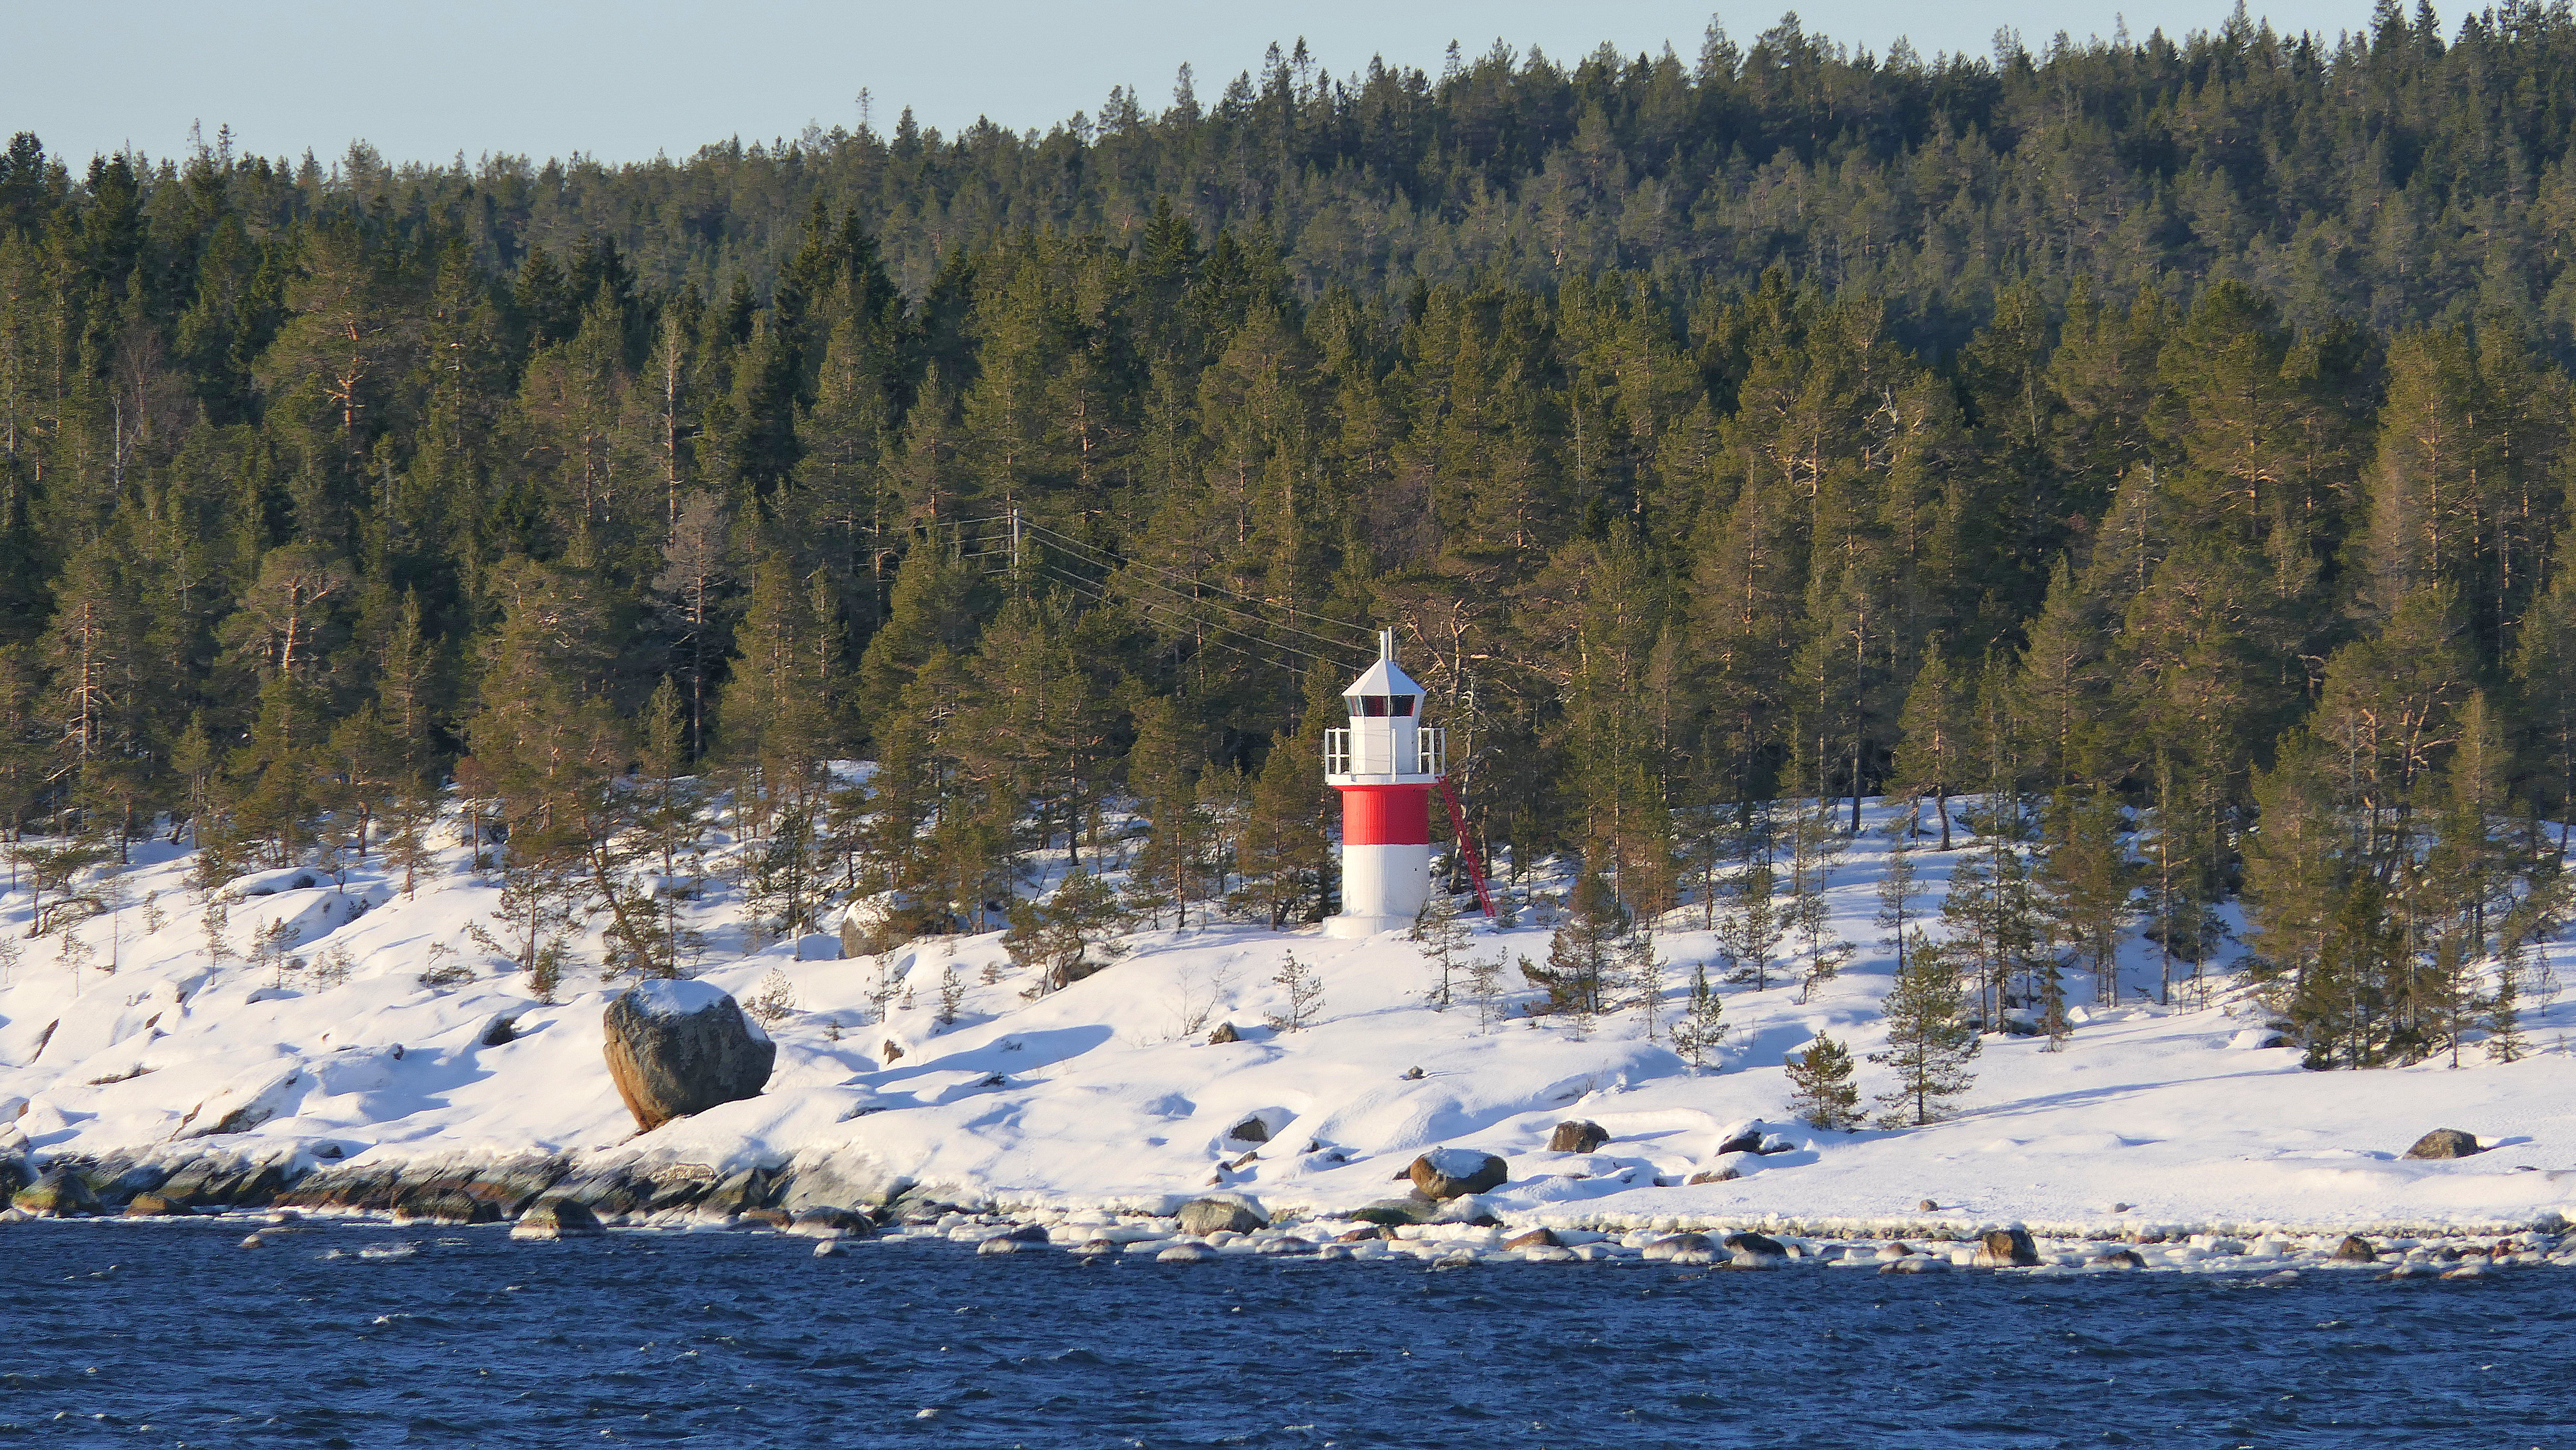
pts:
[1305, 995]
[444, 970]
[773, 1001]
[1751, 928]
[1703, 1022]
[1443, 938]
[1485, 990]
[332, 966]
[952, 994]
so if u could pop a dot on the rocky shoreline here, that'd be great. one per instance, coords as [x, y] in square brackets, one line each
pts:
[1441, 1222]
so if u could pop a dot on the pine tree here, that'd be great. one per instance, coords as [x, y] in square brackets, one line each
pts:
[780, 725]
[552, 745]
[1641, 980]
[1584, 951]
[1162, 770]
[2085, 877]
[2501, 1013]
[698, 570]
[671, 813]
[1751, 928]
[1062, 935]
[1443, 935]
[1485, 989]
[933, 608]
[2345, 1004]
[2544, 676]
[2467, 877]
[1286, 857]
[1899, 888]
[1814, 843]
[1703, 1023]
[1930, 1040]
[1820, 1086]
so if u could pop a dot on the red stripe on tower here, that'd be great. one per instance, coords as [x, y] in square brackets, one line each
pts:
[1386, 815]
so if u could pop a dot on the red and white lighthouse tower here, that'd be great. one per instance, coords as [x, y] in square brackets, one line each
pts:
[1385, 765]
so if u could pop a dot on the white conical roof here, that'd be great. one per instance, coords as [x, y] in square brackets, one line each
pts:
[1386, 677]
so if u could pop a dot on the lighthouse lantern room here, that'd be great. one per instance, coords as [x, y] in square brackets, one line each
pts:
[1385, 765]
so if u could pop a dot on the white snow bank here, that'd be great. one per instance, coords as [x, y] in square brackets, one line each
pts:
[395, 1032]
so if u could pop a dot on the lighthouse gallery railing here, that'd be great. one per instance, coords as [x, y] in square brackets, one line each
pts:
[1430, 754]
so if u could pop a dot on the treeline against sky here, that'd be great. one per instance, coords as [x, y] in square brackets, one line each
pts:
[2165, 443]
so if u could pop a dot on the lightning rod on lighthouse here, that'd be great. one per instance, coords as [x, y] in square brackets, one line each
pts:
[1385, 766]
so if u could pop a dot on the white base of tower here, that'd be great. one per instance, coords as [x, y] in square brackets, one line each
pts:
[1353, 928]
[1382, 884]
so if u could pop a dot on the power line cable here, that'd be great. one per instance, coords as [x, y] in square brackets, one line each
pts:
[1179, 607]
[1115, 558]
[1088, 590]
[1172, 614]
[1111, 560]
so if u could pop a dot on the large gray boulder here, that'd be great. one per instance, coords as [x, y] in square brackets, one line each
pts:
[1456, 1172]
[1220, 1215]
[59, 1194]
[2007, 1248]
[1754, 1251]
[831, 1223]
[1682, 1248]
[1396, 1212]
[557, 1218]
[681, 1047]
[2444, 1143]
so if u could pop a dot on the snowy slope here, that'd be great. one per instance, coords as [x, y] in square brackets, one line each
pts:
[1108, 1094]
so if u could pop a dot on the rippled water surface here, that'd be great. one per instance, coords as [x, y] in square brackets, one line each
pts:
[169, 1334]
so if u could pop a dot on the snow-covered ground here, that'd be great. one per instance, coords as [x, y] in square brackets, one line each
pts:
[1107, 1094]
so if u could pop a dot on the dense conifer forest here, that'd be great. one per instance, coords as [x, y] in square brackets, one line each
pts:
[2163, 444]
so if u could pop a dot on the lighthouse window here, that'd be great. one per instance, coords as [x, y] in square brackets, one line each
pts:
[1373, 705]
[1401, 705]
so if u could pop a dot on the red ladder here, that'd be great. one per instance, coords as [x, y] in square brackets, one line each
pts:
[1467, 848]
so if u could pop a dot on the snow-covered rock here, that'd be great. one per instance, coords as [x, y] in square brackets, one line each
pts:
[680, 1047]
[1457, 1172]
[1578, 1135]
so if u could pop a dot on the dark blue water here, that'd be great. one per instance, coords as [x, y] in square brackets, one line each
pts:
[170, 1335]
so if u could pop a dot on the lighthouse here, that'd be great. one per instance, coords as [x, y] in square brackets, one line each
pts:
[1385, 765]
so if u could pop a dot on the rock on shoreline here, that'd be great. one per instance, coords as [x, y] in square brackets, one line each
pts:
[563, 1196]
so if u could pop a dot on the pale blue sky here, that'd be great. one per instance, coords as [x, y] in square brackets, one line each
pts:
[426, 80]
